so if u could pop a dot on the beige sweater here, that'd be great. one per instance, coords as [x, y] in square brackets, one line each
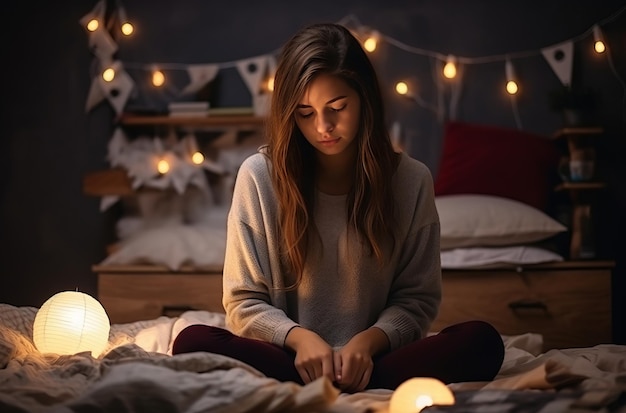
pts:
[343, 290]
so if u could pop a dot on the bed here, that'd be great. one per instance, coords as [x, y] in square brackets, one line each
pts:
[502, 261]
[137, 373]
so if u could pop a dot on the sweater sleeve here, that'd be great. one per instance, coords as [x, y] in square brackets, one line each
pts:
[254, 308]
[415, 293]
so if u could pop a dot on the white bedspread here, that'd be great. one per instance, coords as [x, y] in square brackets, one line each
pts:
[137, 373]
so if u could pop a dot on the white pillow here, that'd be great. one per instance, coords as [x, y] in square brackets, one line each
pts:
[482, 257]
[173, 246]
[473, 220]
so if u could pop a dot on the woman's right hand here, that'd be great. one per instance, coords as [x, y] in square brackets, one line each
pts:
[314, 357]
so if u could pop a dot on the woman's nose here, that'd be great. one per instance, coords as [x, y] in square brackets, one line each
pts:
[324, 124]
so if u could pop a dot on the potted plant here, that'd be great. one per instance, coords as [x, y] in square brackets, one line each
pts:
[576, 106]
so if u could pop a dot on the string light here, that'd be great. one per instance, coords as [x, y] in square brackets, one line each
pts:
[449, 70]
[163, 166]
[511, 85]
[92, 25]
[402, 88]
[197, 158]
[158, 78]
[127, 28]
[108, 74]
[598, 44]
[371, 42]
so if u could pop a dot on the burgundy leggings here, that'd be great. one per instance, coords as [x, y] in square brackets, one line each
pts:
[469, 351]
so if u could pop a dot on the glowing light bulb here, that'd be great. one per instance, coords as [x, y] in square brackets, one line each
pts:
[109, 74]
[402, 88]
[270, 84]
[371, 42]
[599, 46]
[511, 87]
[127, 28]
[197, 158]
[163, 166]
[93, 25]
[158, 78]
[449, 70]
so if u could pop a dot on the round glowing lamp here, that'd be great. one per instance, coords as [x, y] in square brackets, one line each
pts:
[417, 393]
[71, 322]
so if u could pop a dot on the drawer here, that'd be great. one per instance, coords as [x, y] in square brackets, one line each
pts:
[131, 295]
[568, 308]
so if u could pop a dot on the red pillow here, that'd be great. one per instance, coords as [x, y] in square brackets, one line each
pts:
[491, 160]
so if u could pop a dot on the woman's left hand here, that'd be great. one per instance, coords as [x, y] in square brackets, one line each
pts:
[353, 362]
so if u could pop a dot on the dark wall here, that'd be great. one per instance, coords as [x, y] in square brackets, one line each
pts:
[51, 234]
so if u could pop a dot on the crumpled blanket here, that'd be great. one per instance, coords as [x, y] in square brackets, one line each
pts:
[137, 373]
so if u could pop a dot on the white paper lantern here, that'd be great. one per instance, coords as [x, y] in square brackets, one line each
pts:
[417, 393]
[71, 322]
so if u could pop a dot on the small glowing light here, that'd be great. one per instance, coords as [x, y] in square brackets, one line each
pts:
[598, 44]
[270, 84]
[371, 42]
[449, 70]
[163, 166]
[109, 74]
[127, 28]
[197, 158]
[158, 78]
[511, 84]
[417, 393]
[511, 87]
[93, 25]
[402, 88]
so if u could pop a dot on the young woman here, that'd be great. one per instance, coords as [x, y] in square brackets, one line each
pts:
[332, 263]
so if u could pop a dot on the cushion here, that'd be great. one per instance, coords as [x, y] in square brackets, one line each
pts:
[489, 256]
[484, 220]
[173, 246]
[491, 160]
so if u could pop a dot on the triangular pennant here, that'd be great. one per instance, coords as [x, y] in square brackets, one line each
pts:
[200, 75]
[252, 71]
[117, 90]
[561, 57]
[98, 12]
[102, 44]
[96, 94]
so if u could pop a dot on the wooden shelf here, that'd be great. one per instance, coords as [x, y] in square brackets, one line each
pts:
[217, 121]
[108, 182]
[565, 132]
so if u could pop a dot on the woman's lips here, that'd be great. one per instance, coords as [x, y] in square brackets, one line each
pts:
[328, 142]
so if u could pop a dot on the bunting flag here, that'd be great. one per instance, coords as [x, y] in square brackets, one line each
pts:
[100, 41]
[253, 71]
[95, 95]
[561, 58]
[118, 89]
[199, 76]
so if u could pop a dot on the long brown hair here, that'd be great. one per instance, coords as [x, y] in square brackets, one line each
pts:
[328, 48]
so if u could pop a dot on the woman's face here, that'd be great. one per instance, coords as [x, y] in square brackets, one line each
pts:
[328, 114]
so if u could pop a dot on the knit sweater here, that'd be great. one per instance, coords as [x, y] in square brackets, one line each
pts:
[343, 290]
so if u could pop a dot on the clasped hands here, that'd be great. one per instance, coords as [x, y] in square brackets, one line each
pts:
[349, 368]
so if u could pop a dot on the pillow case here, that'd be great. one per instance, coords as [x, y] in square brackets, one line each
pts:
[173, 246]
[487, 256]
[490, 160]
[473, 220]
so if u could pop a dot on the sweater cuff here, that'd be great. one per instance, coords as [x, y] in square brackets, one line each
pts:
[281, 331]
